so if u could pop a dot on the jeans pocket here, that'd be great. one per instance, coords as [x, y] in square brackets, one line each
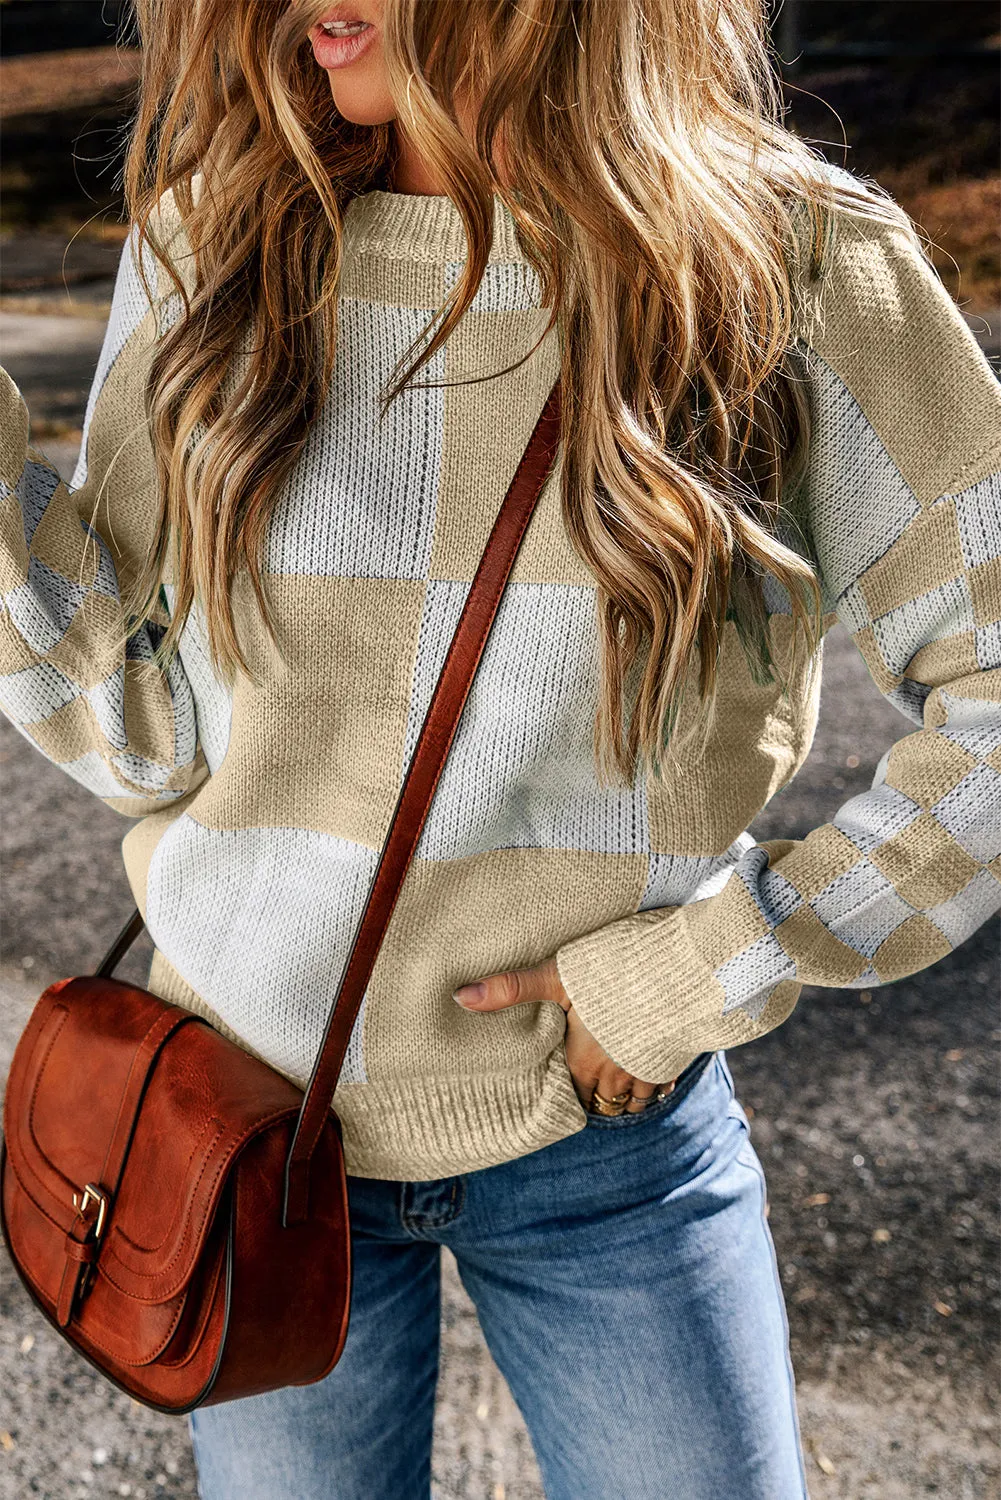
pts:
[745, 1154]
[736, 1111]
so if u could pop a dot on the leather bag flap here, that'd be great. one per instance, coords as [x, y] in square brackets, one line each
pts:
[204, 1098]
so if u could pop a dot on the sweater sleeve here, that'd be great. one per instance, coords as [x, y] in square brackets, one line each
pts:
[903, 500]
[82, 688]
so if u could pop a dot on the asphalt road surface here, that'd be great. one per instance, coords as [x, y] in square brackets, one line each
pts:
[875, 1115]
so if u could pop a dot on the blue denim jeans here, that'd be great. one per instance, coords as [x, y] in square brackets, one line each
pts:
[625, 1280]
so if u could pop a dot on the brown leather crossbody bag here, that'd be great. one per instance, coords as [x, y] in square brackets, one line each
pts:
[176, 1208]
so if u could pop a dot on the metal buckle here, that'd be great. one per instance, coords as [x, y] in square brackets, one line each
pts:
[93, 1194]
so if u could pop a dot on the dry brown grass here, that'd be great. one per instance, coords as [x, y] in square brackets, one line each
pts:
[44, 81]
[963, 223]
[932, 158]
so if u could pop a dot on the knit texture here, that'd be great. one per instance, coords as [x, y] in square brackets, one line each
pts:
[260, 813]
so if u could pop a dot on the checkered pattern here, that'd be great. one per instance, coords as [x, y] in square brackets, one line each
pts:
[260, 811]
[47, 614]
[925, 868]
[909, 869]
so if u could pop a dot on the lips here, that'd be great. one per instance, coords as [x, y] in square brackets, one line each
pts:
[337, 51]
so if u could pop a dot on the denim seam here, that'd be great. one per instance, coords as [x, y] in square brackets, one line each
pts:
[759, 1173]
[415, 1223]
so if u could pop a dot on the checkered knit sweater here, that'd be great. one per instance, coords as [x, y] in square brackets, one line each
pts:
[259, 815]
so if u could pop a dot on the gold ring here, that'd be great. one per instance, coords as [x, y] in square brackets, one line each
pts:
[601, 1106]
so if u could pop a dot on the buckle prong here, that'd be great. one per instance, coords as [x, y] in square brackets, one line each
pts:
[93, 1194]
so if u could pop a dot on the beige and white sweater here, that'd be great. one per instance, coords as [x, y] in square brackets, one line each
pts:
[260, 814]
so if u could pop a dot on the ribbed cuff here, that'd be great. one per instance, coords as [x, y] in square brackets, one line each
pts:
[643, 992]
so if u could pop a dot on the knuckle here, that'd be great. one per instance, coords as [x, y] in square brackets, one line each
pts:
[510, 986]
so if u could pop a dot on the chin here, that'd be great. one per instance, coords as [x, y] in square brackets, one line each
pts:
[358, 105]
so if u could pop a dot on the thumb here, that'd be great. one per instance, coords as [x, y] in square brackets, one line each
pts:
[514, 987]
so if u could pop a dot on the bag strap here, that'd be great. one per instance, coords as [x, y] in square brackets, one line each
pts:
[434, 742]
[413, 803]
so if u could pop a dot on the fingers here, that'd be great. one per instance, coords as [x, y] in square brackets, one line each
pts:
[515, 987]
[642, 1094]
[613, 1081]
[605, 1079]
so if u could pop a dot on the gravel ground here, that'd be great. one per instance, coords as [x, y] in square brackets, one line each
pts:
[875, 1116]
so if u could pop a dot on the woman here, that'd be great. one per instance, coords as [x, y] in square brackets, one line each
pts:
[229, 623]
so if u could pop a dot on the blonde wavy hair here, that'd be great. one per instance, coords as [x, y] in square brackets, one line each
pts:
[661, 202]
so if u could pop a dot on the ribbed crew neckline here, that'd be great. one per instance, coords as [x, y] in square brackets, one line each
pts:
[421, 227]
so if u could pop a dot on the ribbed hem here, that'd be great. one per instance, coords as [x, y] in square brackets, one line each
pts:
[415, 1130]
[419, 226]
